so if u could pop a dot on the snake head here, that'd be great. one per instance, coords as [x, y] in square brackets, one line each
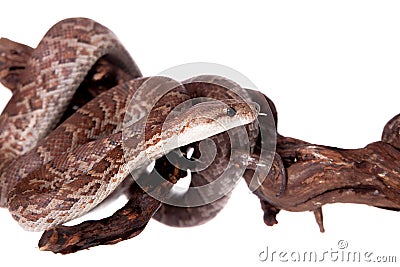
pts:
[210, 118]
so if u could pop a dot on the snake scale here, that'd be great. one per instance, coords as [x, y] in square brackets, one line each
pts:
[54, 169]
[82, 116]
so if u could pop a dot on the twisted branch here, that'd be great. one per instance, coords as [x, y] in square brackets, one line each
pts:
[316, 175]
[303, 176]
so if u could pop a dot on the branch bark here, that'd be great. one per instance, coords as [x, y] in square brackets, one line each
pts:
[316, 175]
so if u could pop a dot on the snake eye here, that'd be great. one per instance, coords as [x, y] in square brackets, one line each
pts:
[230, 112]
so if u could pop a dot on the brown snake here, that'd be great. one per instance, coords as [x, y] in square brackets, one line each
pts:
[52, 176]
[54, 172]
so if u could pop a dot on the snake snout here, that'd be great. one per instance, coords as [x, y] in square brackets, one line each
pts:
[254, 110]
[255, 107]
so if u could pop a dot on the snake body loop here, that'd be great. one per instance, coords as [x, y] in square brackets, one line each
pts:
[53, 73]
[52, 176]
[55, 166]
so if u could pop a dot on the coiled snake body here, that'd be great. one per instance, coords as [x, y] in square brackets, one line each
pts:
[55, 166]
[52, 176]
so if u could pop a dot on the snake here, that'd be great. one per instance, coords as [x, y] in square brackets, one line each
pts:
[54, 168]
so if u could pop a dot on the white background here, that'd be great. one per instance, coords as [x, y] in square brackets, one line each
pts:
[331, 67]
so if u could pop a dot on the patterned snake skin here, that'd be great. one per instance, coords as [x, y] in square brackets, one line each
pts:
[51, 175]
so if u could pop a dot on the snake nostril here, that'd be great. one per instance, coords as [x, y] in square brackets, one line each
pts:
[256, 107]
